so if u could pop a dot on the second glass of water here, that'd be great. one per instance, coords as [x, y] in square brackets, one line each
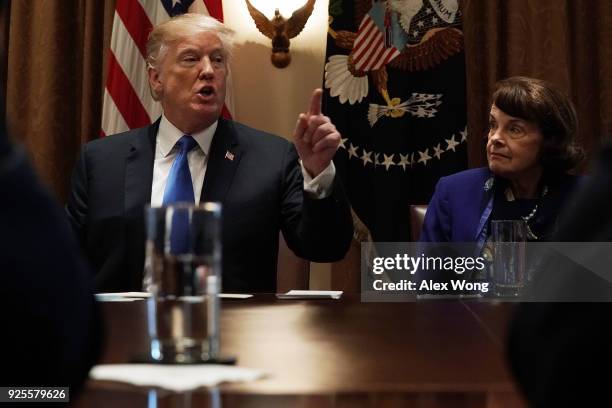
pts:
[509, 275]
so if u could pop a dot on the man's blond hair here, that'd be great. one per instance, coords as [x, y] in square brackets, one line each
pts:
[182, 26]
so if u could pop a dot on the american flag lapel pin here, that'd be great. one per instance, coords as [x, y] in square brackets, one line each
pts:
[229, 155]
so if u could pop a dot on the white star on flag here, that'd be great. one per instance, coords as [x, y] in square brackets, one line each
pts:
[452, 143]
[342, 142]
[365, 157]
[404, 161]
[424, 156]
[438, 151]
[388, 162]
[352, 151]
[464, 135]
[377, 159]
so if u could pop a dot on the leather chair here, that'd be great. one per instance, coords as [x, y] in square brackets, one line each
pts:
[292, 272]
[417, 216]
[346, 274]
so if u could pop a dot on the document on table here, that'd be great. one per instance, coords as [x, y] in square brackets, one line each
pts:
[132, 296]
[121, 296]
[177, 378]
[311, 294]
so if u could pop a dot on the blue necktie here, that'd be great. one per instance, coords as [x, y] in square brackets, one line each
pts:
[179, 188]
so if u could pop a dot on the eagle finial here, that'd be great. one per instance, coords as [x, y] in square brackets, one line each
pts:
[281, 30]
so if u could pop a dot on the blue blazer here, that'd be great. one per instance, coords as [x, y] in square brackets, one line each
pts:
[456, 208]
[461, 206]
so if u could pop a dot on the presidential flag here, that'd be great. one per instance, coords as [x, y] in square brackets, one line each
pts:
[128, 103]
[395, 89]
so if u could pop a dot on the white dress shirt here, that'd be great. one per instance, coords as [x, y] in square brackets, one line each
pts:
[166, 151]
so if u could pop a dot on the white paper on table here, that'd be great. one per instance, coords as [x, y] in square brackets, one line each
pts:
[116, 299]
[177, 378]
[235, 295]
[311, 294]
[131, 296]
[121, 296]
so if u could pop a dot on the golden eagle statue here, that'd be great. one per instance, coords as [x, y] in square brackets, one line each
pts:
[281, 30]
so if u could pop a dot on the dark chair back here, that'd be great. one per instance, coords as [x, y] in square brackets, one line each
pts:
[417, 216]
[292, 271]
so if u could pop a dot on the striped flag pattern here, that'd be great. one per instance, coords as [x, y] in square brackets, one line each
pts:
[380, 38]
[128, 103]
[370, 51]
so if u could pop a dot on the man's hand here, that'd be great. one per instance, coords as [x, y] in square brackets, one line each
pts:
[316, 138]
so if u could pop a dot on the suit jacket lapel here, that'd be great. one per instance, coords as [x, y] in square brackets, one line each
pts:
[485, 208]
[224, 156]
[139, 170]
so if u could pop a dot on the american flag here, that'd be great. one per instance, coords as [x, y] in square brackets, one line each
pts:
[375, 44]
[127, 101]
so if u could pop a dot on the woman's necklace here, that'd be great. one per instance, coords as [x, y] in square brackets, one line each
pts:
[510, 197]
[530, 234]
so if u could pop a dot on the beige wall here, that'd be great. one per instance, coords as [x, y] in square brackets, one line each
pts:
[268, 98]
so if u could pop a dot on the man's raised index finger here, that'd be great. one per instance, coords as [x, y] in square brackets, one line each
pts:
[315, 102]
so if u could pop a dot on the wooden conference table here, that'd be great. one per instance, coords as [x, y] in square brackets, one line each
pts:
[335, 353]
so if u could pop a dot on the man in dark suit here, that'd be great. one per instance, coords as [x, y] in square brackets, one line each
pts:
[51, 329]
[256, 176]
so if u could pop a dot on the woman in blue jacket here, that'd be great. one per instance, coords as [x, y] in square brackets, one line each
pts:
[530, 149]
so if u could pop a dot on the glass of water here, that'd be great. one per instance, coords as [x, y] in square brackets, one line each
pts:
[509, 273]
[183, 275]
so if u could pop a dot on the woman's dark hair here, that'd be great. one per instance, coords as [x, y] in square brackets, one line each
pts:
[538, 101]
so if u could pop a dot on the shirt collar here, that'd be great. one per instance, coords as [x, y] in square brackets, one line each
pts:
[168, 135]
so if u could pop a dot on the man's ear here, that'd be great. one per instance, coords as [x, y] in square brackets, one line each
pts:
[155, 83]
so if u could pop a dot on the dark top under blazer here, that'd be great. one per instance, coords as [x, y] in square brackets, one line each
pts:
[261, 190]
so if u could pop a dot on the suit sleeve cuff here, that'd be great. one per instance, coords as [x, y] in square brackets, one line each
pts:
[320, 186]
